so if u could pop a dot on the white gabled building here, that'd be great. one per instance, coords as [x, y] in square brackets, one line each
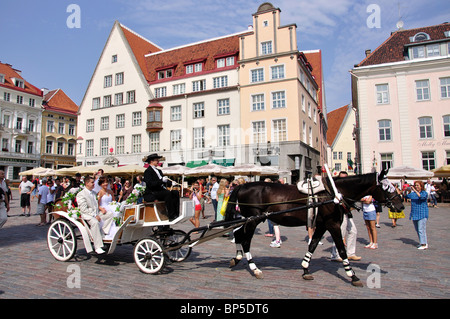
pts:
[113, 111]
[20, 126]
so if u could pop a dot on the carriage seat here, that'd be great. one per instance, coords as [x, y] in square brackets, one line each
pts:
[155, 211]
[317, 185]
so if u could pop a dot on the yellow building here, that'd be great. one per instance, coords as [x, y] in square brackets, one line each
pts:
[280, 115]
[59, 130]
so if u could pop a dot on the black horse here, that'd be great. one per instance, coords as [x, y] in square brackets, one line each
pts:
[257, 199]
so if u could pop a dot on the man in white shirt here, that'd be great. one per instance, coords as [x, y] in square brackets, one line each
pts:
[25, 188]
[214, 188]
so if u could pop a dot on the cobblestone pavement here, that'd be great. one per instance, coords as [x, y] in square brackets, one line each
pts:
[396, 270]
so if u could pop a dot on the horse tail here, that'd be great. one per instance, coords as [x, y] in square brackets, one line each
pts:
[231, 211]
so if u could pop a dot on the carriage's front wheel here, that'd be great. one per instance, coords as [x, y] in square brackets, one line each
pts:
[176, 237]
[149, 256]
[61, 240]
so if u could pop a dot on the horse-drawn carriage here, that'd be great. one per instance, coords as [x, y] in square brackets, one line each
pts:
[146, 226]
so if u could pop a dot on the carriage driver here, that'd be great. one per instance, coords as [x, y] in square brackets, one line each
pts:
[155, 187]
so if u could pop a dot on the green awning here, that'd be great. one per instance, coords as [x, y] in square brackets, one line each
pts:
[193, 164]
[224, 161]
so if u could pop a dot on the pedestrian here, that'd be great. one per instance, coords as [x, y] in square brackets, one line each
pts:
[26, 188]
[271, 231]
[433, 190]
[201, 183]
[50, 198]
[370, 217]
[4, 200]
[378, 210]
[213, 192]
[393, 215]
[223, 192]
[34, 192]
[349, 233]
[195, 196]
[42, 202]
[419, 212]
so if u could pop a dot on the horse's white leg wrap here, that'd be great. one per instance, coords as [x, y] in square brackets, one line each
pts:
[348, 268]
[239, 251]
[306, 260]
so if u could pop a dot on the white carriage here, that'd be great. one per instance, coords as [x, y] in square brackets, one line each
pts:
[146, 226]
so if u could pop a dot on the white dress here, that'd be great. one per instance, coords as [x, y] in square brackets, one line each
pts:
[106, 202]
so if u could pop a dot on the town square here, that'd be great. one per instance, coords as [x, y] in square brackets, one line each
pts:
[238, 150]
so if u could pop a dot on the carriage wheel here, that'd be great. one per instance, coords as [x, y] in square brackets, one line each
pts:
[149, 256]
[61, 240]
[180, 254]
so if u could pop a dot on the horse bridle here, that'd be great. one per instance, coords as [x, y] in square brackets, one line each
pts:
[387, 195]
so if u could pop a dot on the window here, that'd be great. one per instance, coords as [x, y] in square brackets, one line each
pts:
[199, 137]
[90, 125]
[61, 128]
[279, 100]
[446, 121]
[304, 131]
[71, 129]
[19, 83]
[7, 96]
[49, 147]
[107, 101]
[199, 110]
[382, 93]
[198, 67]
[223, 135]
[120, 145]
[30, 148]
[19, 99]
[220, 63]
[104, 123]
[50, 126]
[6, 120]
[5, 145]
[223, 106]
[131, 95]
[266, 47]
[433, 50]
[199, 85]
[161, 92]
[136, 143]
[259, 132]
[277, 72]
[114, 58]
[154, 116]
[89, 148]
[119, 78]
[340, 155]
[104, 143]
[60, 148]
[309, 109]
[32, 102]
[137, 118]
[95, 103]
[386, 160]
[30, 125]
[258, 102]
[220, 82]
[445, 88]
[384, 130]
[447, 156]
[71, 149]
[230, 60]
[107, 82]
[154, 142]
[303, 104]
[428, 161]
[175, 113]
[418, 52]
[189, 69]
[120, 120]
[175, 140]
[279, 130]
[118, 99]
[257, 75]
[18, 146]
[179, 89]
[426, 127]
[423, 90]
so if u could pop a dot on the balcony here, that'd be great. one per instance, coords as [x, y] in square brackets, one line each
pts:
[154, 118]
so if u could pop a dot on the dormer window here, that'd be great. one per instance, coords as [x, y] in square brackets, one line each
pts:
[19, 83]
[194, 66]
[421, 36]
[165, 74]
[2, 78]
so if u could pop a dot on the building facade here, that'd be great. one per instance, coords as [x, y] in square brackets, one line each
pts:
[279, 97]
[59, 130]
[20, 127]
[401, 92]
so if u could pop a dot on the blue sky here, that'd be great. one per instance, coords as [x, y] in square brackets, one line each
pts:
[35, 37]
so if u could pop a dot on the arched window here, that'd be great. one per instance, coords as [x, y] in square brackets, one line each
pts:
[421, 36]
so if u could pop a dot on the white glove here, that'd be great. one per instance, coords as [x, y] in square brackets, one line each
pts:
[165, 179]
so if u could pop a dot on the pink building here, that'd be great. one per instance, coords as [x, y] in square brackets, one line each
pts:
[401, 92]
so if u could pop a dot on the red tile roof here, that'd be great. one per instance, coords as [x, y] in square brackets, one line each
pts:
[58, 101]
[9, 72]
[315, 59]
[335, 120]
[393, 49]
[205, 51]
[140, 47]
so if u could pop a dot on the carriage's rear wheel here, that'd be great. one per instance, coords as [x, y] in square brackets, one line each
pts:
[61, 240]
[148, 256]
[176, 237]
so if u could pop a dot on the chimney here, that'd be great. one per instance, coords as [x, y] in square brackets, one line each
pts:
[368, 51]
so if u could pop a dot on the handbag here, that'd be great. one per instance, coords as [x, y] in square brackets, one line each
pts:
[223, 209]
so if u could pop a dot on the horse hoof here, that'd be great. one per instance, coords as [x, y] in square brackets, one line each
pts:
[357, 283]
[308, 277]
[258, 274]
[234, 262]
